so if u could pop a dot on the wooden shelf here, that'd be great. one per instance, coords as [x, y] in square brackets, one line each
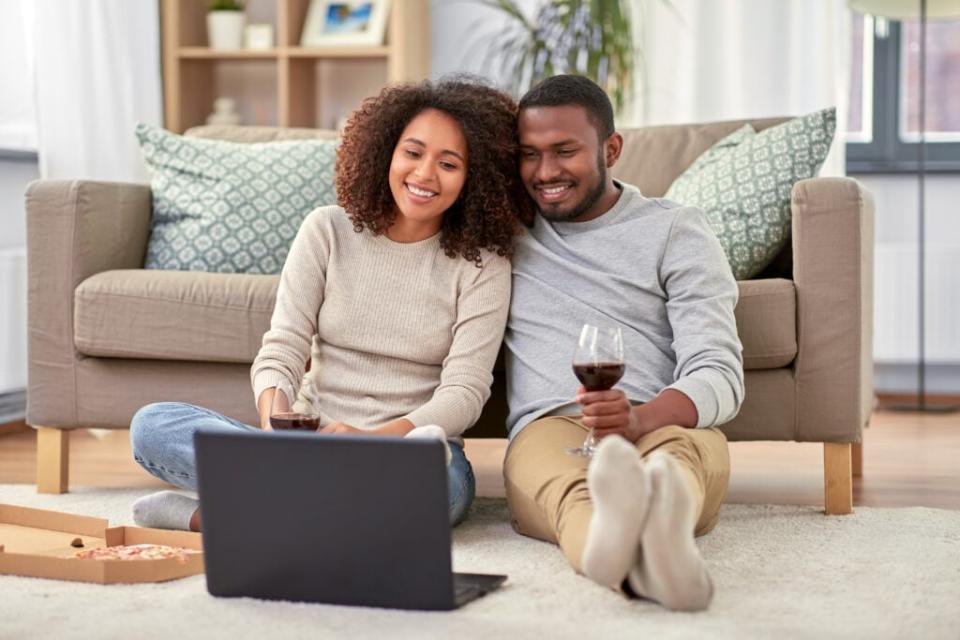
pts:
[317, 53]
[337, 52]
[204, 53]
[305, 80]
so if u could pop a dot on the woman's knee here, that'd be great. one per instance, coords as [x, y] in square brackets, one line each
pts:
[149, 422]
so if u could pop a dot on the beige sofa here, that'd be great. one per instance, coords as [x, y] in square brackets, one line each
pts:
[107, 336]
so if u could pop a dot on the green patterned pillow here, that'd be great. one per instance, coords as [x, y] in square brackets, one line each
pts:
[743, 184]
[231, 207]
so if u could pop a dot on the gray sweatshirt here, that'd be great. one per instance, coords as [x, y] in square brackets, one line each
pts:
[651, 266]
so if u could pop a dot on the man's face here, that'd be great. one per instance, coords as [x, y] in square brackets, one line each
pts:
[562, 162]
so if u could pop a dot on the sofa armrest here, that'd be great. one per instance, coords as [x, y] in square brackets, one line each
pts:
[833, 272]
[75, 228]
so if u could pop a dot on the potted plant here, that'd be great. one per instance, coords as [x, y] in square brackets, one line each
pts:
[592, 38]
[225, 23]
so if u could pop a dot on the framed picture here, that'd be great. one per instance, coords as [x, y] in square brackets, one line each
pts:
[341, 22]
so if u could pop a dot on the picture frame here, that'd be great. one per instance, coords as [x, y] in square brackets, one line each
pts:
[345, 23]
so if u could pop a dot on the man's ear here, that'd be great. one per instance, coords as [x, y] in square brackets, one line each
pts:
[612, 147]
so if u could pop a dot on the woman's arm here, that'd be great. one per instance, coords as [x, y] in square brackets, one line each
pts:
[465, 378]
[281, 361]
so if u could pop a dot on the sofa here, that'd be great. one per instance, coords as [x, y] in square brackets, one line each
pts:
[107, 336]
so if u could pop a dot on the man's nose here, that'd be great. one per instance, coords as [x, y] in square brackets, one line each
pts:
[547, 169]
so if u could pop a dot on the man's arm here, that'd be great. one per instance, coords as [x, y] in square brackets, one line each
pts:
[708, 385]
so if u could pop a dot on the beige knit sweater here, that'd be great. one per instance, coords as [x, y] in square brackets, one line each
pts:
[394, 330]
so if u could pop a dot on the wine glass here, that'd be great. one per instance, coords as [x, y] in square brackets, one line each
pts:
[284, 418]
[598, 364]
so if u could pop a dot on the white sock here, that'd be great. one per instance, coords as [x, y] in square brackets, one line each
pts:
[670, 569]
[432, 432]
[165, 510]
[619, 490]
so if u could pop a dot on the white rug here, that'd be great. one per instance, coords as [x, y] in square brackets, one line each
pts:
[781, 572]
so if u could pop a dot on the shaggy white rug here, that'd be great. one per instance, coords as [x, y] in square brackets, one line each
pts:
[780, 571]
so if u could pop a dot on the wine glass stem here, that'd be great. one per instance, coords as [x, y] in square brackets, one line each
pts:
[591, 442]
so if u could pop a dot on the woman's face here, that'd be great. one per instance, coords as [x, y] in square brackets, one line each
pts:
[427, 173]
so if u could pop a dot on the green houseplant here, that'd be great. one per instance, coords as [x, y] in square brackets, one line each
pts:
[593, 38]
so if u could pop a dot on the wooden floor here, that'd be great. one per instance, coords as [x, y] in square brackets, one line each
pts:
[909, 460]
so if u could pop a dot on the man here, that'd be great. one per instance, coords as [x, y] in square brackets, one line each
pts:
[602, 253]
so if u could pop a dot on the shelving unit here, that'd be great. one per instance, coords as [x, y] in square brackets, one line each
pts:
[190, 68]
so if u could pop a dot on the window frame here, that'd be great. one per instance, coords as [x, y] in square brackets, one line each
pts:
[886, 152]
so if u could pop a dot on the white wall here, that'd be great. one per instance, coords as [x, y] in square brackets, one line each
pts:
[14, 176]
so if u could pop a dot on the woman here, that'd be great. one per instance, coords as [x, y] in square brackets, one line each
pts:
[398, 296]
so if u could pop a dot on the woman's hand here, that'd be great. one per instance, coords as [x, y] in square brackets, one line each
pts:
[341, 427]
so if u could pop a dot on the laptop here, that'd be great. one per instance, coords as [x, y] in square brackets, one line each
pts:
[350, 520]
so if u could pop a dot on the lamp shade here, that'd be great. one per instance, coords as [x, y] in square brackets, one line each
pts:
[907, 9]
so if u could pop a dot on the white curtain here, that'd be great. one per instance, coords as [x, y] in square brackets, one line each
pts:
[97, 74]
[733, 59]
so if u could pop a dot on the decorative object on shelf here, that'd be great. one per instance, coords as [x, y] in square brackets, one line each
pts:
[592, 38]
[333, 22]
[922, 10]
[258, 36]
[224, 112]
[225, 23]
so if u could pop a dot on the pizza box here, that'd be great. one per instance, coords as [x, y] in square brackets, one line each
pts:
[37, 543]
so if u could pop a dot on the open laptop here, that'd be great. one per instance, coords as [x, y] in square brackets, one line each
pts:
[338, 519]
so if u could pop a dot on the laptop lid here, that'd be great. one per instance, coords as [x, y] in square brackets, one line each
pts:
[339, 519]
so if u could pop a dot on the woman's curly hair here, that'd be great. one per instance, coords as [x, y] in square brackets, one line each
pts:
[493, 201]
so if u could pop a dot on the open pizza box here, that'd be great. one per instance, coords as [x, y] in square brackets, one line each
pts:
[37, 543]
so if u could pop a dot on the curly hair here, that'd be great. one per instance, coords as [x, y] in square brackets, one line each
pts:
[488, 212]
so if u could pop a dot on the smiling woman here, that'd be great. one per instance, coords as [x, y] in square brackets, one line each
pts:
[397, 297]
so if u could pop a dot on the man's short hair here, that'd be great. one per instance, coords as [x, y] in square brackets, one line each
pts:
[562, 90]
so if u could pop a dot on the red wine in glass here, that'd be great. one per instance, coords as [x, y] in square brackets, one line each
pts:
[294, 422]
[599, 377]
[598, 363]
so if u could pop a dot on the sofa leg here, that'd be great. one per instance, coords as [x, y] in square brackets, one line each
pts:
[856, 454]
[53, 460]
[837, 478]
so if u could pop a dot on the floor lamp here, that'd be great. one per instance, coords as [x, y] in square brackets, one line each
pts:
[922, 10]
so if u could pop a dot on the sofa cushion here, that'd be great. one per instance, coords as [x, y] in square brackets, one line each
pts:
[173, 315]
[767, 323]
[744, 184]
[217, 317]
[230, 207]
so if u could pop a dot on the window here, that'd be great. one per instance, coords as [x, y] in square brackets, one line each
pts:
[885, 96]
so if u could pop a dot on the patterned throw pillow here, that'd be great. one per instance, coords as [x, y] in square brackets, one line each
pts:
[231, 207]
[743, 184]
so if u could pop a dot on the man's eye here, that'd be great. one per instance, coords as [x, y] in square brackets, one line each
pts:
[566, 153]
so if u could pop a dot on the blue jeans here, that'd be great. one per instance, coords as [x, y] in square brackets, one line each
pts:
[162, 438]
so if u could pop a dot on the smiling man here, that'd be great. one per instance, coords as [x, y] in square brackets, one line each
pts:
[602, 253]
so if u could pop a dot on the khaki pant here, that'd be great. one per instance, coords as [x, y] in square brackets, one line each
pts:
[547, 488]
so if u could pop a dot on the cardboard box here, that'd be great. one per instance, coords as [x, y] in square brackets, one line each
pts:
[36, 543]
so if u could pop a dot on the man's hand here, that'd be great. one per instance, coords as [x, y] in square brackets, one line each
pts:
[341, 427]
[609, 413]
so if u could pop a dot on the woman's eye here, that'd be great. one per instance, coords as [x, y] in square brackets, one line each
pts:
[448, 165]
[411, 153]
